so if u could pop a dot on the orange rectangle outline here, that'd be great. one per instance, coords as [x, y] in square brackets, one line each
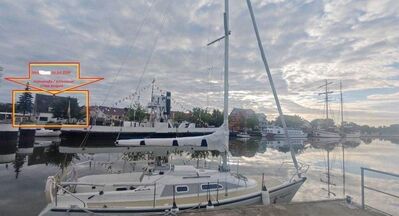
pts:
[85, 92]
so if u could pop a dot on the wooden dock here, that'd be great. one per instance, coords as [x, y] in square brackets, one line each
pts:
[314, 208]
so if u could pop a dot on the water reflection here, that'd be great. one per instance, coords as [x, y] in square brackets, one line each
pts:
[335, 164]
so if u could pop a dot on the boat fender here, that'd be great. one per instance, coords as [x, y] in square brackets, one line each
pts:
[210, 205]
[50, 189]
[174, 208]
[265, 196]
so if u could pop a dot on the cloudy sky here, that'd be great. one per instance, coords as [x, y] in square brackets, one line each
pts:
[129, 43]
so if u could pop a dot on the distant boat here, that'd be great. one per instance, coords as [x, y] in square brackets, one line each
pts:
[322, 133]
[278, 132]
[47, 133]
[325, 134]
[243, 135]
[355, 134]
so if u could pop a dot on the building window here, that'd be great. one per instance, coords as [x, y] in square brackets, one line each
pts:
[211, 186]
[43, 119]
[181, 189]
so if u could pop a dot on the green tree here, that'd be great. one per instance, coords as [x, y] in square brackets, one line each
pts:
[252, 122]
[137, 113]
[200, 117]
[179, 117]
[60, 108]
[25, 104]
[216, 118]
[294, 121]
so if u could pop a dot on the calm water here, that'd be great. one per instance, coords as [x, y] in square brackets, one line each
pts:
[23, 171]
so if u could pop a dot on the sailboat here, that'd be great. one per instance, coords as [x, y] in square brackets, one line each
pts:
[167, 188]
[323, 133]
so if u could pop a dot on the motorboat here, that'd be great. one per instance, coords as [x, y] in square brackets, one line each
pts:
[278, 132]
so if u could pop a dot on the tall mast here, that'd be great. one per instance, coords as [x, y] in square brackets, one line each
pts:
[342, 144]
[342, 105]
[226, 83]
[326, 100]
[226, 64]
[326, 93]
[269, 75]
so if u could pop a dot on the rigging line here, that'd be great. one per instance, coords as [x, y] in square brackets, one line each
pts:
[153, 47]
[130, 48]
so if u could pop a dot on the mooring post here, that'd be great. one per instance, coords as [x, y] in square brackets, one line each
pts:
[362, 185]
[155, 192]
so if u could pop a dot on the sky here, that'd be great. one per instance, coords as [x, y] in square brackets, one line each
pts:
[130, 43]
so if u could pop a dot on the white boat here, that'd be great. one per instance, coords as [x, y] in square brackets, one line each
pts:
[325, 134]
[278, 132]
[355, 134]
[166, 188]
[243, 135]
[163, 187]
[47, 133]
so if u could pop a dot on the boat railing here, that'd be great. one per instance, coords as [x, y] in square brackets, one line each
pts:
[302, 169]
[364, 186]
[61, 187]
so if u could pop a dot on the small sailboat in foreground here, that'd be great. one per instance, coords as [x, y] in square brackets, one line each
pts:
[163, 187]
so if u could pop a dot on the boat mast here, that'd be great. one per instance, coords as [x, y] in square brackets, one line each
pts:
[326, 93]
[342, 106]
[342, 144]
[226, 85]
[269, 75]
[226, 64]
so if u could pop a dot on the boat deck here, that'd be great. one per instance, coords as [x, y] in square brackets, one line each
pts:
[314, 208]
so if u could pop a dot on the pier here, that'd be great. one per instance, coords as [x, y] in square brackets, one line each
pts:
[312, 208]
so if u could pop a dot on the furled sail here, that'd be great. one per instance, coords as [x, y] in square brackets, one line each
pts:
[218, 141]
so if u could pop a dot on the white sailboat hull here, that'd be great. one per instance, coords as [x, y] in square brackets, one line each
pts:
[280, 194]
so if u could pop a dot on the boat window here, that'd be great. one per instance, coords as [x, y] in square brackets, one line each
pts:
[212, 186]
[121, 189]
[181, 189]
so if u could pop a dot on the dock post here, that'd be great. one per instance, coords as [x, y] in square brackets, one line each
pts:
[362, 185]
[155, 192]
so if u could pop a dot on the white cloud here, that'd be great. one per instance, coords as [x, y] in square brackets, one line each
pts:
[305, 42]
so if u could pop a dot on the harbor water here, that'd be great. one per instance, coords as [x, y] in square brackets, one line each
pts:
[333, 168]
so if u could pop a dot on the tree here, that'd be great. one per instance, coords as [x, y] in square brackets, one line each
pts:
[200, 117]
[294, 121]
[25, 104]
[65, 108]
[180, 117]
[137, 113]
[252, 122]
[216, 118]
